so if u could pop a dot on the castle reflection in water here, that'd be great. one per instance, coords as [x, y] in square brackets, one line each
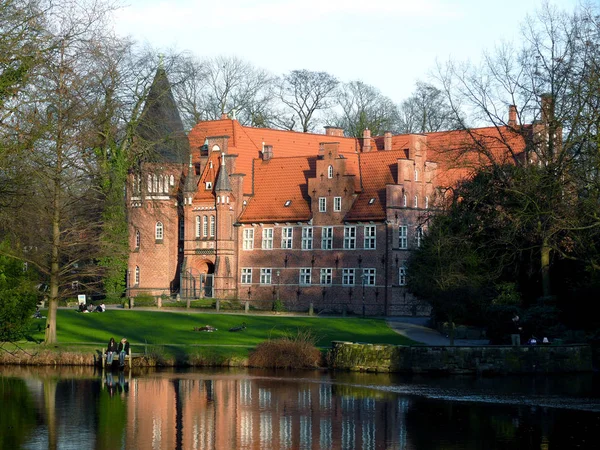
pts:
[258, 413]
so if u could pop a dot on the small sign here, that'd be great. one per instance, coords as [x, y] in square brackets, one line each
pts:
[81, 299]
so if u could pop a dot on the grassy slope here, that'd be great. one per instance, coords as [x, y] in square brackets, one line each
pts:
[174, 330]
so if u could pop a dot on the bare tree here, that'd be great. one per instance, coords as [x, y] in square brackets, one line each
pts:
[306, 92]
[552, 81]
[207, 89]
[63, 124]
[425, 111]
[362, 106]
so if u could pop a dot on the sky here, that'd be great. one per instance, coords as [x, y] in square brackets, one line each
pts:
[389, 44]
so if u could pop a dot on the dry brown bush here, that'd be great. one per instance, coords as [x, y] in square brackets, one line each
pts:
[296, 352]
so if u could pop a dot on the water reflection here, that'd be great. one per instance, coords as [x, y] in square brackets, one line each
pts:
[256, 409]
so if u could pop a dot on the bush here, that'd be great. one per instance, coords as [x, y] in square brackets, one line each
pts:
[297, 352]
[144, 300]
[278, 306]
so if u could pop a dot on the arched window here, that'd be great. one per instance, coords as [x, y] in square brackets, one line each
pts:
[205, 226]
[426, 202]
[330, 172]
[159, 234]
[137, 276]
[416, 201]
[137, 239]
[139, 184]
[149, 183]
[160, 183]
[404, 200]
[197, 226]
[212, 226]
[155, 183]
[172, 180]
[416, 175]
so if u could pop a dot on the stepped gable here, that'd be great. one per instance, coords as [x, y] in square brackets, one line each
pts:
[276, 182]
[247, 143]
[160, 126]
[377, 169]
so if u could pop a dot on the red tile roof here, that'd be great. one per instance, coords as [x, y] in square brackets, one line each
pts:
[277, 181]
[378, 168]
[247, 143]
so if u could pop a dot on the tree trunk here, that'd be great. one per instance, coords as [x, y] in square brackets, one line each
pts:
[545, 263]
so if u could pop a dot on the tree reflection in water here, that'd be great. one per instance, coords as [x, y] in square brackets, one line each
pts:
[256, 409]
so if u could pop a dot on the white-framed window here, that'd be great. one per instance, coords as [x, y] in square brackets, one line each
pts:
[287, 237]
[265, 276]
[330, 172]
[305, 276]
[402, 276]
[404, 201]
[138, 238]
[307, 238]
[172, 180]
[326, 275]
[416, 175]
[212, 226]
[402, 236]
[267, 239]
[416, 201]
[369, 277]
[322, 204]
[149, 186]
[159, 231]
[418, 235]
[426, 202]
[205, 226]
[337, 204]
[349, 238]
[246, 275]
[198, 226]
[136, 280]
[248, 242]
[370, 237]
[348, 277]
[327, 238]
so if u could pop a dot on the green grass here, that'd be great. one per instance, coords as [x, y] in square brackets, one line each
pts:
[173, 332]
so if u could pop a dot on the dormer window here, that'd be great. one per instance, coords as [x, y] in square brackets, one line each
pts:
[330, 172]
[216, 148]
[287, 203]
[371, 200]
[208, 185]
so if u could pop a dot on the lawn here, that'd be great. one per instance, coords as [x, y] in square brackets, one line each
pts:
[174, 331]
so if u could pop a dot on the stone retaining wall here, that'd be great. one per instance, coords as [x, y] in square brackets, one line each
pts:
[461, 360]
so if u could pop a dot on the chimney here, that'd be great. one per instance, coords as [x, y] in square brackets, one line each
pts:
[366, 140]
[387, 140]
[547, 108]
[224, 116]
[334, 131]
[267, 152]
[512, 116]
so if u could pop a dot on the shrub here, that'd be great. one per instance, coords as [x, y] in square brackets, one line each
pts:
[278, 306]
[297, 352]
[144, 300]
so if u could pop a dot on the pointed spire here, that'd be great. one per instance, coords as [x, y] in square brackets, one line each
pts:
[160, 125]
[190, 181]
[223, 183]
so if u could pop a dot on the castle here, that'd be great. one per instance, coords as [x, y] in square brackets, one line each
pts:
[259, 215]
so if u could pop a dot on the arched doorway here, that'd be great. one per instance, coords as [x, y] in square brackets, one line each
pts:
[197, 280]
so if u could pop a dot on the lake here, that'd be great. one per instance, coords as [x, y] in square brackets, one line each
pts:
[82, 408]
